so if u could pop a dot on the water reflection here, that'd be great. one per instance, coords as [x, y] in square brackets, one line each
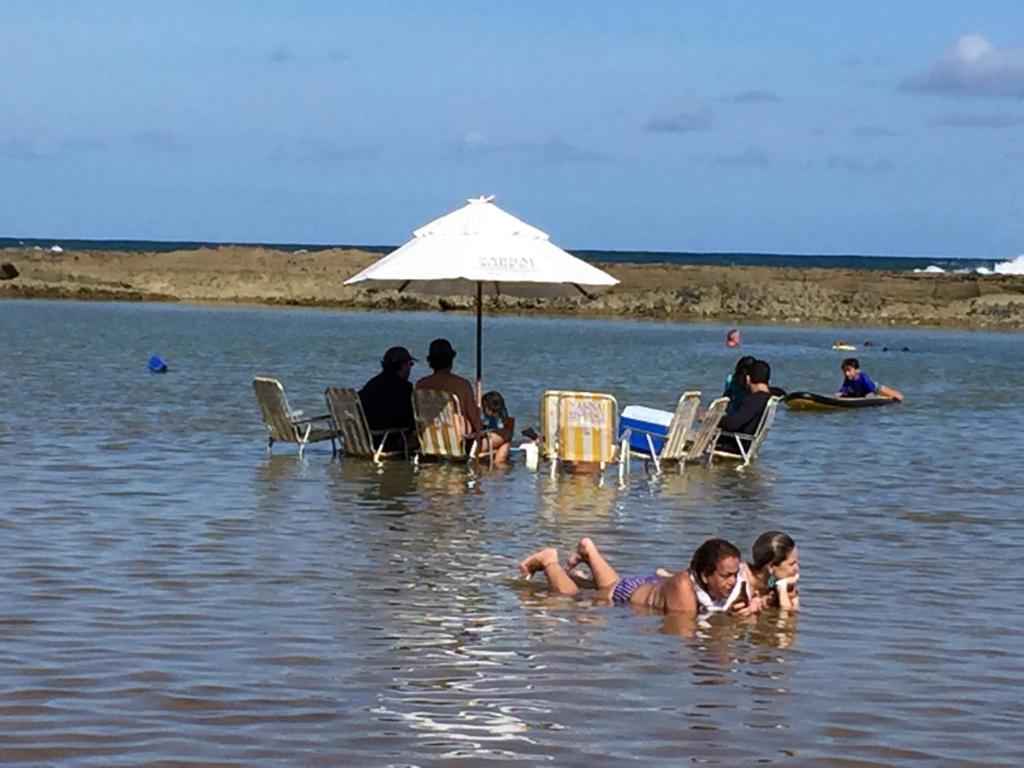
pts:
[573, 501]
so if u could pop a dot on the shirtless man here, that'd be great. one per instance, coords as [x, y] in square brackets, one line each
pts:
[440, 358]
[712, 583]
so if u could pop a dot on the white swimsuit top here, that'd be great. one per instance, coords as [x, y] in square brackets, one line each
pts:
[708, 605]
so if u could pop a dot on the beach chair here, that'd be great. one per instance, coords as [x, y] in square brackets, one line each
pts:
[680, 433]
[549, 425]
[357, 438]
[699, 449]
[441, 429]
[588, 431]
[286, 425]
[747, 446]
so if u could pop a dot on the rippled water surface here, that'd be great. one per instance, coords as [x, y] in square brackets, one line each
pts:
[172, 595]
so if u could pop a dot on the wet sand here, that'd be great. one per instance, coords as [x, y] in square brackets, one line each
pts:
[252, 275]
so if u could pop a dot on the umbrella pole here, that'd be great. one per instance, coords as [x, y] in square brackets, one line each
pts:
[479, 341]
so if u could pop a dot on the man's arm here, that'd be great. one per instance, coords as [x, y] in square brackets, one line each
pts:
[403, 408]
[469, 408]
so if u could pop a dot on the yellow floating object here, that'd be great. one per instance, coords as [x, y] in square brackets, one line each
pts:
[843, 346]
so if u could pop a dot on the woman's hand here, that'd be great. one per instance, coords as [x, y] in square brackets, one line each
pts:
[783, 585]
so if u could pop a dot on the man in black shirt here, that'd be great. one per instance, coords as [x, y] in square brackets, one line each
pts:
[746, 418]
[387, 397]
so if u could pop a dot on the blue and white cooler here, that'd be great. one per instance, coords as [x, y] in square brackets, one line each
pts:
[644, 422]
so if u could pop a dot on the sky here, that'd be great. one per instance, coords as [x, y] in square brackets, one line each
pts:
[800, 127]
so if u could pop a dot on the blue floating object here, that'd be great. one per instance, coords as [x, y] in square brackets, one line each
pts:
[157, 364]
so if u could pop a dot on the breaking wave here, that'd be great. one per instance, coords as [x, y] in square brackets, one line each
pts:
[1011, 267]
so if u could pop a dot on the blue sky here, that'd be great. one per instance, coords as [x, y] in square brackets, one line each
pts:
[802, 127]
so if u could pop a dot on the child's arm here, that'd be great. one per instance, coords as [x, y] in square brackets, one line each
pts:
[508, 429]
[895, 394]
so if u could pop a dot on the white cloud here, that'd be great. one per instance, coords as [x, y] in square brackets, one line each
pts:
[162, 141]
[750, 157]
[281, 54]
[554, 150]
[973, 67]
[318, 150]
[39, 147]
[684, 121]
[854, 164]
[968, 120]
[874, 131]
[751, 97]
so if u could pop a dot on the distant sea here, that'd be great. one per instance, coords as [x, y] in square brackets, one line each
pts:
[826, 261]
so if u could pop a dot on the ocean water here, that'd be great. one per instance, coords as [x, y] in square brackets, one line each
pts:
[174, 595]
[821, 261]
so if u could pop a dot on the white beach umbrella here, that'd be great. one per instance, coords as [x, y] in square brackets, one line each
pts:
[480, 249]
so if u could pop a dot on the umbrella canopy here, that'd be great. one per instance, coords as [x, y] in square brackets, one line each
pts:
[480, 244]
[481, 249]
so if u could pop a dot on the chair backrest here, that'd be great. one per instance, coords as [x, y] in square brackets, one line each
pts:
[704, 440]
[439, 423]
[349, 419]
[274, 409]
[549, 422]
[680, 429]
[588, 427]
[763, 426]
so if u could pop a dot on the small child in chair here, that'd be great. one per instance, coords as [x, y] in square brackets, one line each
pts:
[500, 425]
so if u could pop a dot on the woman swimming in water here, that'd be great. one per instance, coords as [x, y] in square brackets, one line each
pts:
[775, 570]
[711, 584]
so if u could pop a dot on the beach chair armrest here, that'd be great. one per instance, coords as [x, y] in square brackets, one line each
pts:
[736, 435]
[310, 419]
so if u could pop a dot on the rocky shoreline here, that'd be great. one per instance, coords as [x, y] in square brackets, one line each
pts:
[252, 275]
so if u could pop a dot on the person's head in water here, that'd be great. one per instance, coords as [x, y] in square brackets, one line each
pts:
[775, 553]
[440, 356]
[493, 405]
[758, 372]
[732, 338]
[851, 368]
[716, 564]
[398, 361]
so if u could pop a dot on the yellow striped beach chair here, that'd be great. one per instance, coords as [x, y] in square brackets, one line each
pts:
[549, 423]
[441, 428]
[588, 430]
[357, 438]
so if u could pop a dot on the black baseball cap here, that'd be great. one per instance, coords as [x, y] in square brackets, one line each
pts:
[397, 355]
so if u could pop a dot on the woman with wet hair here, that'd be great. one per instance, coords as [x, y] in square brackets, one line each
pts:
[775, 570]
